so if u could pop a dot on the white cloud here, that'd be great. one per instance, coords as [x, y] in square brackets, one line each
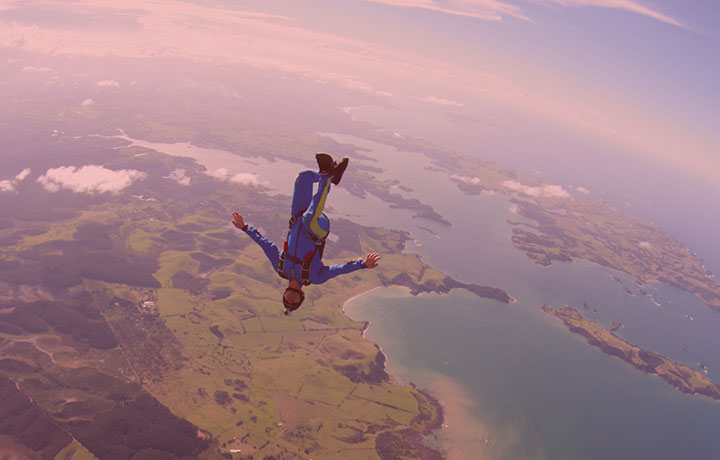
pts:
[10, 185]
[495, 10]
[7, 186]
[31, 68]
[220, 173]
[245, 178]
[179, 176]
[546, 191]
[22, 175]
[626, 5]
[466, 179]
[239, 178]
[440, 101]
[87, 102]
[89, 179]
[487, 10]
[583, 190]
[107, 83]
[645, 244]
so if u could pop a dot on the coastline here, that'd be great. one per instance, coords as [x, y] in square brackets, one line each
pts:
[461, 435]
[454, 432]
[359, 295]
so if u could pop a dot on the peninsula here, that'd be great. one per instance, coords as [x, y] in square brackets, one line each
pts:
[679, 376]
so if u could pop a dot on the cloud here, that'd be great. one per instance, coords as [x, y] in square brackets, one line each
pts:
[107, 83]
[89, 179]
[467, 179]
[626, 5]
[644, 244]
[87, 102]
[7, 186]
[35, 69]
[245, 179]
[220, 173]
[10, 185]
[546, 191]
[440, 101]
[178, 175]
[486, 10]
[239, 178]
[22, 175]
[583, 190]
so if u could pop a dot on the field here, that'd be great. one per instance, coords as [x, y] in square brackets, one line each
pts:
[181, 313]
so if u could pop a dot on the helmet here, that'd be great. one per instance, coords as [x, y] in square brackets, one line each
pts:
[292, 306]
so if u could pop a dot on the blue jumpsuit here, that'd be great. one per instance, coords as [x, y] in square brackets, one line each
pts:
[300, 244]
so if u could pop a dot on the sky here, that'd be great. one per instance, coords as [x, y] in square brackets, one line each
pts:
[639, 74]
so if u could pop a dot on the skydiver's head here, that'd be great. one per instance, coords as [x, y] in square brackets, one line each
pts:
[293, 296]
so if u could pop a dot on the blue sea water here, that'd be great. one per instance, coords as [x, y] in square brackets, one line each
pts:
[530, 388]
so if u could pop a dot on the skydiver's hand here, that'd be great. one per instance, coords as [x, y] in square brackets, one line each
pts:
[238, 220]
[371, 261]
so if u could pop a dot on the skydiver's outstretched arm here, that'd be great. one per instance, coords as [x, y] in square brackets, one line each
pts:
[269, 248]
[325, 273]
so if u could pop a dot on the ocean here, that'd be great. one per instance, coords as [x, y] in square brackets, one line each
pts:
[529, 387]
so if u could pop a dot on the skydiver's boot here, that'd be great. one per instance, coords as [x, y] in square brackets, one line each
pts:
[325, 162]
[339, 170]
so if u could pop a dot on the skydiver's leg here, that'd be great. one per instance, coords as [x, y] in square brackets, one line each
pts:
[317, 205]
[302, 194]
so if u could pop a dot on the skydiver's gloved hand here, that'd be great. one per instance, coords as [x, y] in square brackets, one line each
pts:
[371, 261]
[326, 165]
[238, 221]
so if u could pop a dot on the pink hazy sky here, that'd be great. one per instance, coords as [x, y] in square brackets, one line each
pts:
[639, 74]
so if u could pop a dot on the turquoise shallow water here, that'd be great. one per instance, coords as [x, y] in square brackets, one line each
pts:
[518, 384]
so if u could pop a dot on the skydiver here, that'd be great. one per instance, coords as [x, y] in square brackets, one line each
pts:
[300, 262]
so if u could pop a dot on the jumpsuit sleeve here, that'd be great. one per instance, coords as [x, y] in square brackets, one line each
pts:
[269, 248]
[325, 273]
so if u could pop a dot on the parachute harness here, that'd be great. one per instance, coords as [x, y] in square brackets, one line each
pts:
[307, 261]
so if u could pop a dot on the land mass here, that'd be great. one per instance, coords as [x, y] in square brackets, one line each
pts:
[157, 312]
[595, 232]
[679, 376]
[444, 285]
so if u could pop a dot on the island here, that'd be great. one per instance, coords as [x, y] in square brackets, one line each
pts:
[679, 376]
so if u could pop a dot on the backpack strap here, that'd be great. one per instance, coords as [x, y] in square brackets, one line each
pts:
[294, 218]
[304, 264]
